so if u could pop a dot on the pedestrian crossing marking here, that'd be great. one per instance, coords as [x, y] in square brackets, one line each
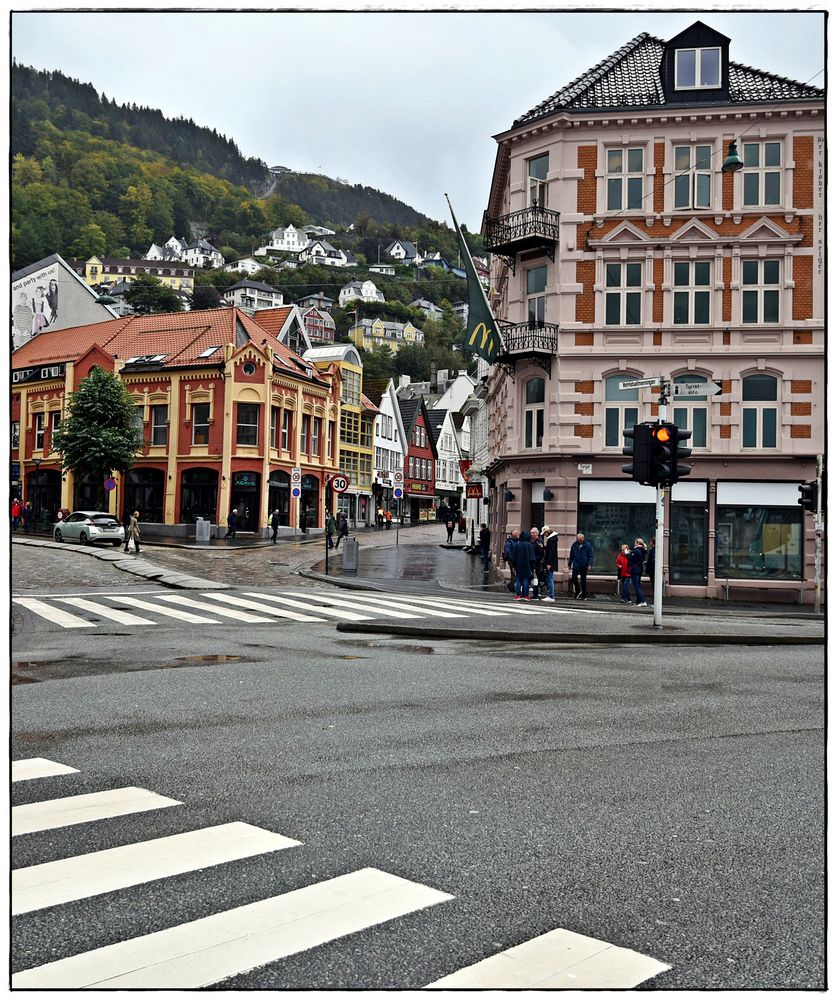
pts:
[54, 813]
[206, 951]
[516, 608]
[38, 767]
[183, 616]
[363, 600]
[122, 617]
[486, 607]
[88, 875]
[258, 606]
[55, 615]
[560, 959]
[237, 614]
[342, 602]
[349, 616]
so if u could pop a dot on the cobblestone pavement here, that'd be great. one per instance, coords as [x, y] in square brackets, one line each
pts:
[48, 569]
[277, 565]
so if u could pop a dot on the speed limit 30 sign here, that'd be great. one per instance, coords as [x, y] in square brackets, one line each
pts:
[339, 483]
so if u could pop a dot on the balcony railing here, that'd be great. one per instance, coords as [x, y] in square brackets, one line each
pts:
[523, 341]
[528, 229]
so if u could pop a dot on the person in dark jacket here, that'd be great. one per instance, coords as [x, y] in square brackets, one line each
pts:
[539, 572]
[232, 524]
[274, 524]
[550, 561]
[28, 515]
[342, 528]
[508, 556]
[636, 558]
[450, 527]
[580, 561]
[485, 546]
[524, 564]
[652, 555]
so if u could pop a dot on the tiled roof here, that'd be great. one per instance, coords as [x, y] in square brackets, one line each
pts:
[272, 320]
[367, 404]
[630, 78]
[260, 286]
[410, 409]
[182, 337]
[435, 419]
[375, 389]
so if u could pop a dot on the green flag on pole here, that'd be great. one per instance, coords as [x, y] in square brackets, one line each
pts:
[481, 333]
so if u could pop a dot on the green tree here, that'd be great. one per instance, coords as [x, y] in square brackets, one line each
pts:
[91, 242]
[98, 436]
[379, 363]
[206, 297]
[147, 294]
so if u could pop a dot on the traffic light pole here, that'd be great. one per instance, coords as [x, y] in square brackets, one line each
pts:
[659, 550]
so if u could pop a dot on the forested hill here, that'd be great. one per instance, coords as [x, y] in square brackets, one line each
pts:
[40, 95]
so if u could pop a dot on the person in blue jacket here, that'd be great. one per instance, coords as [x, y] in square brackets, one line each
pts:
[636, 560]
[580, 561]
[523, 557]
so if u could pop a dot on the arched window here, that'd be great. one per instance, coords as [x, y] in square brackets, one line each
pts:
[620, 409]
[760, 411]
[533, 413]
[690, 412]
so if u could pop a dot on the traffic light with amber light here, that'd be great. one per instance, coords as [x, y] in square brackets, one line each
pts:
[638, 447]
[808, 496]
[666, 452]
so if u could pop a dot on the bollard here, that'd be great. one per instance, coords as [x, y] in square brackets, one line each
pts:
[202, 529]
[349, 556]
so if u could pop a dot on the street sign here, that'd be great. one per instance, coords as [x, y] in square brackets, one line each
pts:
[398, 478]
[696, 388]
[398, 493]
[639, 383]
[110, 484]
[296, 492]
[339, 483]
[296, 477]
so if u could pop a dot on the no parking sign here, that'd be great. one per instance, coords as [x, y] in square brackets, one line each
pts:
[296, 483]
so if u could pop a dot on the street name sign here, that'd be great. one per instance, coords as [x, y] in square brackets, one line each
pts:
[640, 383]
[696, 388]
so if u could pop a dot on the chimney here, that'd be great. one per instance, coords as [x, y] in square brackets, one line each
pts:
[403, 380]
[434, 377]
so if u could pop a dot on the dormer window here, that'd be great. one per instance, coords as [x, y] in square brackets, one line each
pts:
[697, 69]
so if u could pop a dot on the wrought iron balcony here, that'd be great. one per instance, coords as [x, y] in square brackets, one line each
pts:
[528, 342]
[532, 228]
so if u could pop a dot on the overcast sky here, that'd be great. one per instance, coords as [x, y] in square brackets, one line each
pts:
[406, 103]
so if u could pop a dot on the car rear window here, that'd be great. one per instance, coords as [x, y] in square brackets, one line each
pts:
[105, 521]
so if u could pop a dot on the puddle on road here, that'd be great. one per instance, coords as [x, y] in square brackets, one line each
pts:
[210, 658]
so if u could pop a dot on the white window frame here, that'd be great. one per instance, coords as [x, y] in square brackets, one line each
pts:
[40, 431]
[285, 432]
[624, 402]
[274, 426]
[534, 416]
[691, 290]
[241, 425]
[196, 424]
[759, 408]
[15, 435]
[623, 290]
[761, 171]
[536, 301]
[157, 424]
[537, 186]
[304, 433]
[698, 52]
[624, 176]
[700, 166]
[316, 427]
[761, 287]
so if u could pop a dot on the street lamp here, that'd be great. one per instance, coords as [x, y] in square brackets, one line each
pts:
[733, 162]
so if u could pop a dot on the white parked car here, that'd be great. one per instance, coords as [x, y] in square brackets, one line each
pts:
[89, 527]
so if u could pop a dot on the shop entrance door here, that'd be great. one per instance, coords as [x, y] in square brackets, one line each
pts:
[687, 544]
[245, 498]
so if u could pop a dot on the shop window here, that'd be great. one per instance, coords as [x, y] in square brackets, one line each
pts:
[760, 291]
[535, 395]
[762, 173]
[623, 294]
[760, 411]
[620, 409]
[624, 179]
[758, 543]
[247, 424]
[607, 525]
[693, 177]
[691, 292]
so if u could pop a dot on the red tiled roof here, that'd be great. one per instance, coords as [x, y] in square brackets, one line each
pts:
[273, 320]
[368, 405]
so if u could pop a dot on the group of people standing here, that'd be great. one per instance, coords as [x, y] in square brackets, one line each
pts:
[532, 557]
[23, 513]
[630, 565]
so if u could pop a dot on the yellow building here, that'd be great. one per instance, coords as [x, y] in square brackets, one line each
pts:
[372, 333]
[110, 270]
[357, 424]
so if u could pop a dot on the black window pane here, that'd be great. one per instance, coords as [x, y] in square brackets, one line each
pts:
[681, 307]
[613, 275]
[759, 388]
[633, 308]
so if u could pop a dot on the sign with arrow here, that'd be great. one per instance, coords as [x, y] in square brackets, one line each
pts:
[696, 388]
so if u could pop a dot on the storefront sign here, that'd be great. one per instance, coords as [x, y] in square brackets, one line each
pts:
[245, 479]
[425, 488]
[473, 491]
[15, 472]
[465, 469]
[39, 374]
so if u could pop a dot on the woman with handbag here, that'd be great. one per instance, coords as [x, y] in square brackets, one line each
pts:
[132, 533]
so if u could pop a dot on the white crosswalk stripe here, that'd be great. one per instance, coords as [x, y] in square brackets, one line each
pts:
[88, 875]
[258, 606]
[235, 613]
[114, 614]
[342, 602]
[348, 616]
[38, 767]
[382, 603]
[55, 615]
[183, 616]
[206, 951]
[54, 813]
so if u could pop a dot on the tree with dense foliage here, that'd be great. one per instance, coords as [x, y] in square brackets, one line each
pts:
[98, 435]
[148, 294]
[206, 297]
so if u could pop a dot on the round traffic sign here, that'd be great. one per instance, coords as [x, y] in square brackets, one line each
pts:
[110, 484]
[296, 475]
[398, 478]
[398, 493]
[295, 492]
[339, 483]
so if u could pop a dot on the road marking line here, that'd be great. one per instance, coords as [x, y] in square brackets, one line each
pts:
[381, 603]
[120, 867]
[478, 609]
[123, 617]
[54, 813]
[206, 951]
[331, 612]
[559, 959]
[242, 616]
[183, 616]
[257, 606]
[339, 601]
[39, 767]
[520, 608]
[54, 615]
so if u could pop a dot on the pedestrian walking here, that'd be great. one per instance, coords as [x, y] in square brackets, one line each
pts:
[303, 520]
[443, 513]
[550, 561]
[508, 557]
[388, 519]
[342, 528]
[232, 524]
[132, 532]
[652, 557]
[379, 520]
[524, 565]
[274, 524]
[17, 511]
[485, 546]
[580, 561]
[28, 515]
[636, 558]
[450, 527]
[540, 571]
[623, 573]
[331, 527]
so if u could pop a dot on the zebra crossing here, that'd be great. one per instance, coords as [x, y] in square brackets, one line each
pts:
[247, 607]
[208, 950]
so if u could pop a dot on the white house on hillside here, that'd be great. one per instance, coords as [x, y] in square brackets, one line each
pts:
[247, 265]
[324, 254]
[252, 295]
[366, 291]
[285, 239]
[202, 254]
[402, 250]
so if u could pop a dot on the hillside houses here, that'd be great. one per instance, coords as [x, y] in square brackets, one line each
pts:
[372, 333]
[365, 291]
